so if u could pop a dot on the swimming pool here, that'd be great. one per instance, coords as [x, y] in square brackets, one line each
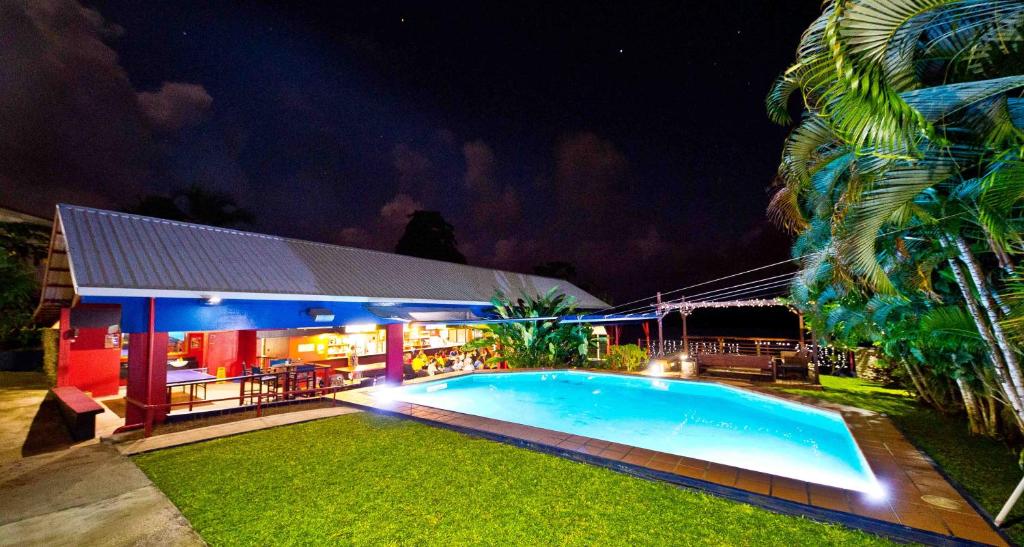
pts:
[700, 420]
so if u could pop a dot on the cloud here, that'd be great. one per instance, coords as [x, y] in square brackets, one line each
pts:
[590, 174]
[70, 118]
[516, 253]
[649, 245]
[175, 105]
[382, 232]
[355, 236]
[479, 166]
[415, 170]
[494, 207]
[396, 212]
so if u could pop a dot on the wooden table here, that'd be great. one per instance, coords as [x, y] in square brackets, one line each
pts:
[353, 372]
[289, 373]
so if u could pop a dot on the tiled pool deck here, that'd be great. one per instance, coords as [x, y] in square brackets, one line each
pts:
[921, 506]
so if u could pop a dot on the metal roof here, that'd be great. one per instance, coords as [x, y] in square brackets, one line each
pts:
[119, 254]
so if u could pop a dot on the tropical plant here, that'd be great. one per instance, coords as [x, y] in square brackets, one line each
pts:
[22, 246]
[532, 333]
[903, 182]
[630, 357]
[17, 298]
[25, 240]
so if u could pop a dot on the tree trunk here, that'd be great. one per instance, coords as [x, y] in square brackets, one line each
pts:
[989, 305]
[1005, 262]
[919, 385]
[974, 420]
[995, 355]
[992, 416]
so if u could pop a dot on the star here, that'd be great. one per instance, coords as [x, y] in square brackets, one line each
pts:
[620, 50]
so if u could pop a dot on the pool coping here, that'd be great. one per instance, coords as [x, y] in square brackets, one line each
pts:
[901, 467]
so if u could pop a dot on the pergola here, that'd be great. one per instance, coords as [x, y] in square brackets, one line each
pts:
[685, 308]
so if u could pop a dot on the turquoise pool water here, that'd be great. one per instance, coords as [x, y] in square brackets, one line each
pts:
[705, 421]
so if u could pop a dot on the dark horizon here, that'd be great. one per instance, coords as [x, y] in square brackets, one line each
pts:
[629, 141]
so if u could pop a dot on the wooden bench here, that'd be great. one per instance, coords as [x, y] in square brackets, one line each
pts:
[731, 364]
[793, 364]
[78, 410]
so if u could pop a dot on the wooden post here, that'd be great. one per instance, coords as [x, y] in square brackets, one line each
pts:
[661, 337]
[686, 337]
[812, 373]
[803, 346]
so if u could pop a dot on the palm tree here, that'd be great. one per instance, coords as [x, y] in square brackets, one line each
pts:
[906, 169]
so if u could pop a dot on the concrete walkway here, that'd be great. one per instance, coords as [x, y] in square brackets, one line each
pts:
[54, 491]
[200, 434]
[86, 495]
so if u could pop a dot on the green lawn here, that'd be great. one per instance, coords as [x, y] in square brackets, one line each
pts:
[369, 480]
[986, 468]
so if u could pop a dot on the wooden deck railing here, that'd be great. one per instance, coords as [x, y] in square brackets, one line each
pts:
[828, 356]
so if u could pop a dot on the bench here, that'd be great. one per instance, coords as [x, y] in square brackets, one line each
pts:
[78, 410]
[793, 364]
[731, 364]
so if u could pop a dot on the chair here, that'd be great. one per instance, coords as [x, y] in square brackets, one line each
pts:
[303, 377]
[260, 380]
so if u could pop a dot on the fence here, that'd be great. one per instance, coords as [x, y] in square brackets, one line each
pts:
[829, 359]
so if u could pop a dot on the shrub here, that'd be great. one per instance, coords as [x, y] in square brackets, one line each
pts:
[628, 357]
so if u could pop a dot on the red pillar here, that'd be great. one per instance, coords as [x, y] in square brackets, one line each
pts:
[142, 385]
[246, 351]
[393, 353]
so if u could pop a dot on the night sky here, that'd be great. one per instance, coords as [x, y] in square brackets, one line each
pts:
[628, 139]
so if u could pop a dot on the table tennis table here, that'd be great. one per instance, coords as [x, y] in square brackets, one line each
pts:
[188, 378]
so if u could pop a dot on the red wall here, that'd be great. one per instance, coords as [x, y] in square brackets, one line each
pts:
[247, 345]
[195, 346]
[88, 365]
[226, 349]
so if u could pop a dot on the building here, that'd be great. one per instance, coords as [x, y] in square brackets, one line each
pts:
[137, 298]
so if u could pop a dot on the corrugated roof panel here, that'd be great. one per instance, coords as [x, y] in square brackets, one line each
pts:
[118, 251]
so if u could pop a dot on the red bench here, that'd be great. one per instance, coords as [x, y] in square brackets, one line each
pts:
[78, 410]
[731, 364]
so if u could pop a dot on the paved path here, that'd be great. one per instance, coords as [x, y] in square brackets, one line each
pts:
[57, 492]
[86, 495]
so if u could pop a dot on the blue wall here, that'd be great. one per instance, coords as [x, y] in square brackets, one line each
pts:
[186, 314]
